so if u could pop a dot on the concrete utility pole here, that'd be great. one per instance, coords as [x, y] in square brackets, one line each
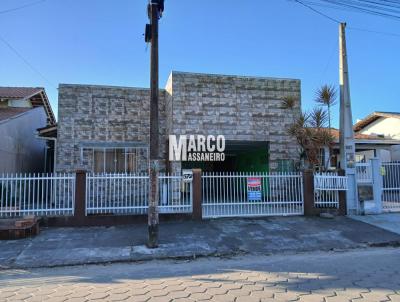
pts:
[154, 9]
[347, 145]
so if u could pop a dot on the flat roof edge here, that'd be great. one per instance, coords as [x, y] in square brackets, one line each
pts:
[233, 76]
[62, 85]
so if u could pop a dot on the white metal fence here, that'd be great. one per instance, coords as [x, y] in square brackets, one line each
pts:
[128, 194]
[391, 187]
[252, 194]
[176, 196]
[326, 189]
[37, 194]
[364, 172]
[117, 193]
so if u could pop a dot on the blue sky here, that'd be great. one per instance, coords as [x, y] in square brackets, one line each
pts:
[101, 42]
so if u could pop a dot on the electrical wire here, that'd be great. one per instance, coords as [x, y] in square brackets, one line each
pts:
[26, 61]
[373, 31]
[317, 11]
[348, 27]
[21, 7]
[382, 8]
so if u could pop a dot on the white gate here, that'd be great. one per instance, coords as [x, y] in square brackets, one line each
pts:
[391, 187]
[364, 173]
[326, 189]
[252, 194]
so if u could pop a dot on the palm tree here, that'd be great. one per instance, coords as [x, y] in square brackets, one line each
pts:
[310, 132]
[326, 96]
[289, 102]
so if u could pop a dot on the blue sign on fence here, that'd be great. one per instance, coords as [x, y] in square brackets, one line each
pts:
[254, 188]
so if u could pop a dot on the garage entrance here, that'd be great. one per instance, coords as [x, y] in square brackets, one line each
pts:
[240, 156]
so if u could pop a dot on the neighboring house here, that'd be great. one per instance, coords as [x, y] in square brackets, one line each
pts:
[49, 133]
[385, 125]
[367, 146]
[106, 129]
[22, 111]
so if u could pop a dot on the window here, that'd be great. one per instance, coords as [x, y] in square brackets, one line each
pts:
[119, 160]
[285, 165]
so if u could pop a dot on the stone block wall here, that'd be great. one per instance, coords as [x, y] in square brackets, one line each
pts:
[241, 108]
[102, 115]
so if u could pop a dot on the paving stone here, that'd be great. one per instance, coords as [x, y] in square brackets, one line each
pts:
[138, 292]
[217, 291]
[178, 294]
[195, 289]
[5, 295]
[76, 300]
[337, 299]
[394, 297]
[286, 296]
[141, 298]
[247, 299]
[239, 292]
[37, 298]
[223, 298]
[118, 297]
[160, 299]
[377, 295]
[312, 298]
[198, 296]
[97, 296]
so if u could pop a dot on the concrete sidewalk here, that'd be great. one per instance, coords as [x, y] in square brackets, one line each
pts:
[187, 239]
[387, 221]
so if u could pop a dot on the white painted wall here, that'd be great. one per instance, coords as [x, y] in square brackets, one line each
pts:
[367, 154]
[387, 126]
[20, 150]
[390, 128]
[395, 150]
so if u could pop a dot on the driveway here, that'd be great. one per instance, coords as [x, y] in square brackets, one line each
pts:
[191, 239]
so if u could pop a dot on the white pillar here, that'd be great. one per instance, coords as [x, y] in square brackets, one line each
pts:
[327, 154]
[377, 183]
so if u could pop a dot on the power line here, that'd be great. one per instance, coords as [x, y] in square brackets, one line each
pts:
[26, 61]
[382, 8]
[373, 31]
[317, 11]
[21, 7]
[348, 27]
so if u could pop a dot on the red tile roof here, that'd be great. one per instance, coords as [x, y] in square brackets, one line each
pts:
[335, 134]
[18, 92]
[9, 112]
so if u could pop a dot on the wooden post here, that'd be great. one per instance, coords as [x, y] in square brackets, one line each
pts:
[308, 187]
[197, 197]
[342, 197]
[80, 196]
[155, 10]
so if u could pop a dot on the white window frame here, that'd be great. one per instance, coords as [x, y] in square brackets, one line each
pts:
[126, 152]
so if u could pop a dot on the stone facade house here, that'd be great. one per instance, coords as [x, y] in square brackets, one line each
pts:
[106, 129]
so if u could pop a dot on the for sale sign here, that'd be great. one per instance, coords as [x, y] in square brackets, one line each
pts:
[254, 188]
